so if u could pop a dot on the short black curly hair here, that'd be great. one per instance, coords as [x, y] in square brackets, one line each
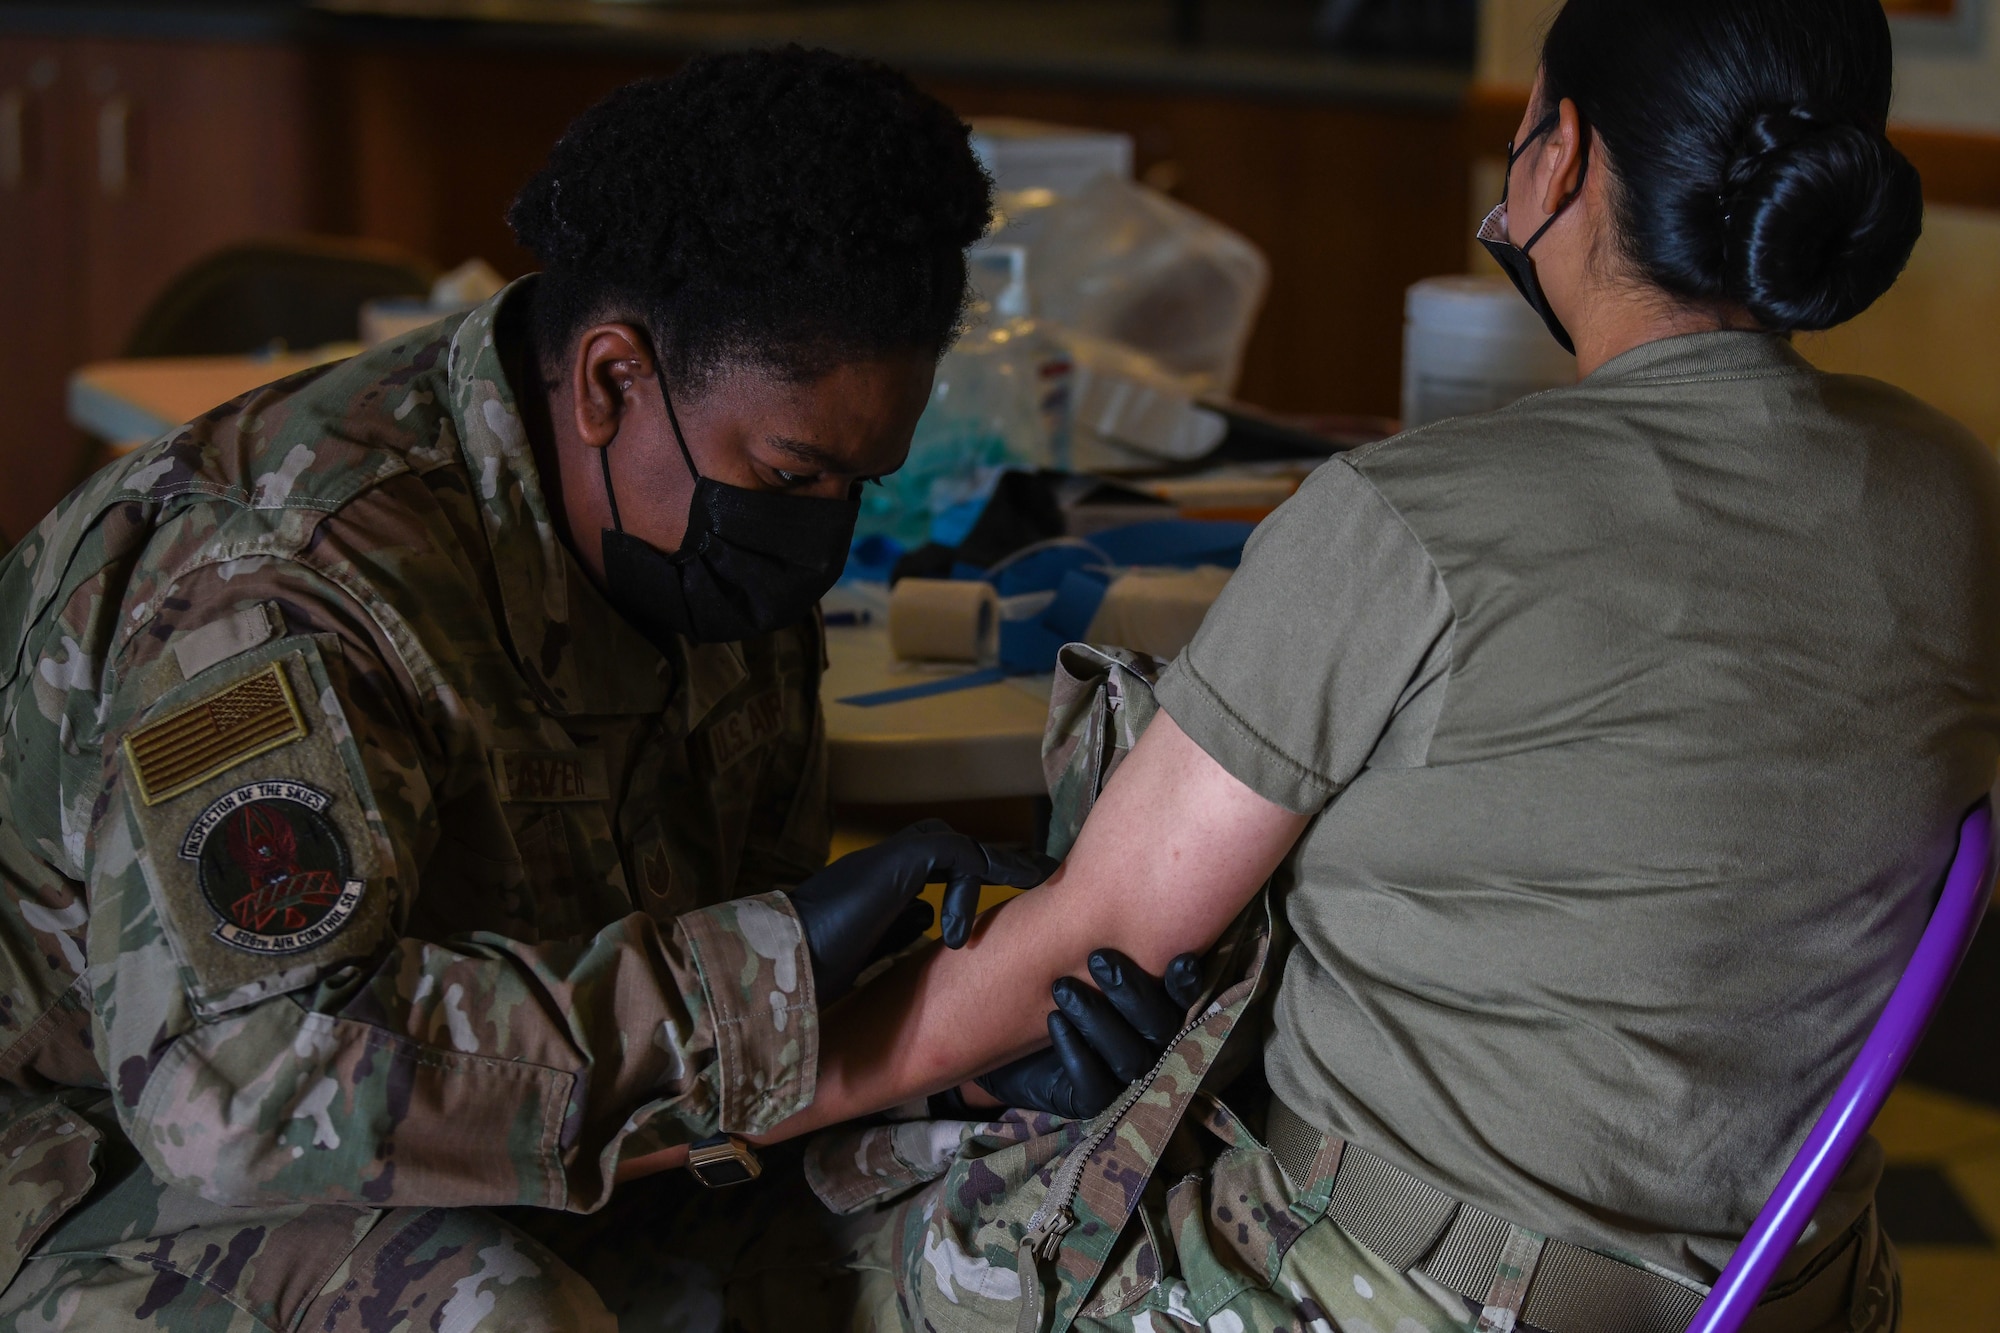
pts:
[788, 208]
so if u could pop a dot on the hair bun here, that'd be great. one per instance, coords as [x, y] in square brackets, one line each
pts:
[1819, 218]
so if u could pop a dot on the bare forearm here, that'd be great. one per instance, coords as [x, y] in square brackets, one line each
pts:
[1172, 852]
[1174, 849]
[943, 1016]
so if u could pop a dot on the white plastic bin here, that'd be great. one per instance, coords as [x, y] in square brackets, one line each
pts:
[1471, 344]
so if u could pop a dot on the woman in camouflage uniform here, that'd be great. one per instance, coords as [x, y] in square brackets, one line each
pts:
[412, 776]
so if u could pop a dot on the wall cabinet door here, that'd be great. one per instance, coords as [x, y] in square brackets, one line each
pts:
[189, 147]
[120, 164]
[40, 290]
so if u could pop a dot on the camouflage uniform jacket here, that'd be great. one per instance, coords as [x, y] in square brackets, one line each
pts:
[353, 849]
[1025, 1219]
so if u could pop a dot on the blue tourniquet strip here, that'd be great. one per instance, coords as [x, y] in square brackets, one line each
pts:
[969, 681]
[1079, 573]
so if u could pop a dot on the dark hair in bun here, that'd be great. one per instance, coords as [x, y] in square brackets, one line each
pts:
[1747, 141]
[790, 208]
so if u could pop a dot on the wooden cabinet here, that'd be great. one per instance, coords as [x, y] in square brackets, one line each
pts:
[123, 161]
[120, 163]
[441, 140]
[40, 290]
[1351, 202]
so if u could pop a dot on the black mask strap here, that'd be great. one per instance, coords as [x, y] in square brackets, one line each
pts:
[673, 419]
[1549, 122]
[604, 457]
[604, 461]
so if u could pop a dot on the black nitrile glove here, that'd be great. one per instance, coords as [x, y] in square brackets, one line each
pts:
[850, 908]
[1100, 1039]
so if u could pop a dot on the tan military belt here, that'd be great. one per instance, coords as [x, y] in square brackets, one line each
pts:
[1412, 1226]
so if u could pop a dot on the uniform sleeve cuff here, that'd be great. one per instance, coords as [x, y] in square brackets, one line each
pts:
[756, 977]
[1252, 759]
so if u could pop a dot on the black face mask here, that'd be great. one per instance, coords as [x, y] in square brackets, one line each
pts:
[751, 562]
[1514, 258]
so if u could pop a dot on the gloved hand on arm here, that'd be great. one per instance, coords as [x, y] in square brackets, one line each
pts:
[865, 905]
[1100, 1040]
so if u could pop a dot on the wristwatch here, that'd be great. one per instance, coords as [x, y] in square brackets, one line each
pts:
[723, 1159]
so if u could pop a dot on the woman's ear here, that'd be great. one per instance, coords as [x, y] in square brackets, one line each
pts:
[612, 361]
[1563, 158]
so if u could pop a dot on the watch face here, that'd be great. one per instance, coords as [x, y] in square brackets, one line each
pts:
[722, 1160]
[725, 1171]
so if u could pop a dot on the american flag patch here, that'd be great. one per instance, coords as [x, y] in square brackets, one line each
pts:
[187, 748]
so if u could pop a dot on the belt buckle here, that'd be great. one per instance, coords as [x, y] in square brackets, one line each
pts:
[723, 1159]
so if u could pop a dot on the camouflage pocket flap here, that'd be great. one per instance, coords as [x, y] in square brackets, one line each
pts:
[1132, 1270]
[47, 1165]
[849, 1169]
[1213, 1115]
[854, 1168]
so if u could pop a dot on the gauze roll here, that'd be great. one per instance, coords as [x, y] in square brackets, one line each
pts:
[944, 620]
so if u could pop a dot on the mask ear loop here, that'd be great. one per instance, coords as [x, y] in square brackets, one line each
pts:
[673, 419]
[604, 461]
[1514, 154]
[1583, 172]
[604, 455]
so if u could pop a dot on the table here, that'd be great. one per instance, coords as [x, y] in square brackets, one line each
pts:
[972, 744]
[127, 403]
[975, 744]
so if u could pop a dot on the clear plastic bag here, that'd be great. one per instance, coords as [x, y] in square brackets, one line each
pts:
[984, 415]
[1124, 263]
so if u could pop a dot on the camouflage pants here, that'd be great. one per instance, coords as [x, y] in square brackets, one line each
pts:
[1219, 1251]
[137, 1254]
[665, 1255]
[1204, 1254]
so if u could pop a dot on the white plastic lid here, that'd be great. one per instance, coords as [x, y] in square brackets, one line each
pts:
[1478, 306]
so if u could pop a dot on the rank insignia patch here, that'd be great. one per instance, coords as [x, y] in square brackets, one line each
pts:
[186, 749]
[272, 865]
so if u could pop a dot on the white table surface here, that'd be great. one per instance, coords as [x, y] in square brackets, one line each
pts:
[972, 744]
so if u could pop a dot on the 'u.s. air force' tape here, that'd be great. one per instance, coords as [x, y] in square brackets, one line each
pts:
[968, 681]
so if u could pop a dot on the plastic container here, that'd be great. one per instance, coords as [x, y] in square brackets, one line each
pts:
[1000, 277]
[1035, 155]
[1471, 344]
[987, 413]
[1129, 412]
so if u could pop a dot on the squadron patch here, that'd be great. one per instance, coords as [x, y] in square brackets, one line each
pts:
[272, 866]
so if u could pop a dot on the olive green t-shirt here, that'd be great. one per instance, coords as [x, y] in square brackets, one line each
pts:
[1636, 721]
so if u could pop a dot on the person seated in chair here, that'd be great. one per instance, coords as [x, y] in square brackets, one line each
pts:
[1604, 752]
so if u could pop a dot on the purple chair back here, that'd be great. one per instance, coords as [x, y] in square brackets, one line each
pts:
[1967, 887]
